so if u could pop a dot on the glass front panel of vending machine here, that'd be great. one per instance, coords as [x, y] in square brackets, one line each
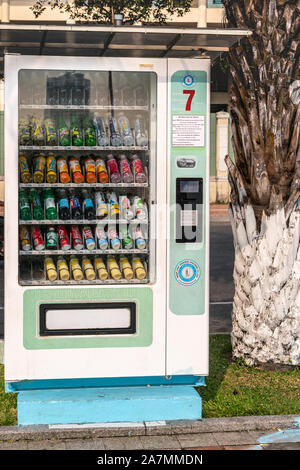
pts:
[86, 177]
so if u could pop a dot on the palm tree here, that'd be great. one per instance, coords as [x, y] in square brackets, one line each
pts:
[265, 180]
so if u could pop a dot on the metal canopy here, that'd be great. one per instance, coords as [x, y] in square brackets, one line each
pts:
[113, 41]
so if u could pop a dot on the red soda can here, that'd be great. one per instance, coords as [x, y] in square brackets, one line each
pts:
[76, 238]
[63, 237]
[37, 238]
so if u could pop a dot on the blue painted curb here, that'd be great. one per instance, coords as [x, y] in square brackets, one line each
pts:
[103, 405]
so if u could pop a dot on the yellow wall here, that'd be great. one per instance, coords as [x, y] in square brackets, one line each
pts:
[19, 10]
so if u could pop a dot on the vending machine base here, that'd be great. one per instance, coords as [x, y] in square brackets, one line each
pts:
[108, 405]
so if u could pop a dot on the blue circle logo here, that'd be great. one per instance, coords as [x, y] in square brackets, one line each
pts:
[188, 80]
[187, 272]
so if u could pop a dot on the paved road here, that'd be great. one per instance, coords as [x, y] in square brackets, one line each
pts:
[221, 282]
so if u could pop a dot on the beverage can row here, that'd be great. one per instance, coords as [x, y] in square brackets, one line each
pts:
[89, 169]
[80, 268]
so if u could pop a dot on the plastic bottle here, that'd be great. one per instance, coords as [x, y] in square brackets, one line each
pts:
[63, 170]
[88, 269]
[50, 269]
[51, 174]
[25, 175]
[24, 205]
[50, 206]
[126, 173]
[76, 133]
[63, 204]
[25, 238]
[140, 241]
[24, 132]
[127, 241]
[90, 170]
[88, 238]
[139, 208]
[76, 238]
[37, 132]
[39, 164]
[115, 137]
[37, 209]
[50, 132]
[89, 133]
[113, 237]
[125, 130]
[101, 133]
[64, 133]
[113, 170]
[141, 138]
[101, 238]
[88, 205]
[138, 170]
[101, 269]
[76, 211]
[141, 97]
[126, 211]
[114, 209]
[101, 206]
[138, 268]
[62, 269]
[126, 268]
[113, 268]
[101, 171]
[63, 237]
[51, 239]
[76, 268]
[75, 170]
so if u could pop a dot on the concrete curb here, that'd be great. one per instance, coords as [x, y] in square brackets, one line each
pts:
[163, 428]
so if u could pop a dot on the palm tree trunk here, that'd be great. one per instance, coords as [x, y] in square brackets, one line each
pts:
[265, 181]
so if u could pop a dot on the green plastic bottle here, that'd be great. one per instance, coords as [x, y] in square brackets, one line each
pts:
[24, 205]
[50, 206]
[64, 133]
[37, 209]
[76, 131]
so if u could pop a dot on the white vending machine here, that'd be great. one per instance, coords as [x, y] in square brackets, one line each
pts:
[106, 232]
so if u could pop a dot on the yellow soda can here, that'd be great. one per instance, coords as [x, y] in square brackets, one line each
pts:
[62, 268]
[51, 174]
[138, 268]
[25, 238]
[101, 268]
[50, 269]
[76, 269]
[25, 174]
[113, 268]
[39, 164]
[88, 269]
[126, 268]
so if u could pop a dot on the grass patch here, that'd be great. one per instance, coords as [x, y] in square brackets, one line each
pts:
[233, 389]
[8, 404]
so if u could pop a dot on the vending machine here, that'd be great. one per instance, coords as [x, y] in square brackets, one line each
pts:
[106, 233]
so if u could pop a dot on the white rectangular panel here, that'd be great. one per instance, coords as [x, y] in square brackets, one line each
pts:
[82, 319]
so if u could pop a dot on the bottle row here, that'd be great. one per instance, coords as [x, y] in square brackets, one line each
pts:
[87, 169]
[86, 131]
[79, 268]
[85, 238]
[73, 88]
[65, 204]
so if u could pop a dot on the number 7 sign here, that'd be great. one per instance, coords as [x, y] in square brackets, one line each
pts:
[191, 94]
